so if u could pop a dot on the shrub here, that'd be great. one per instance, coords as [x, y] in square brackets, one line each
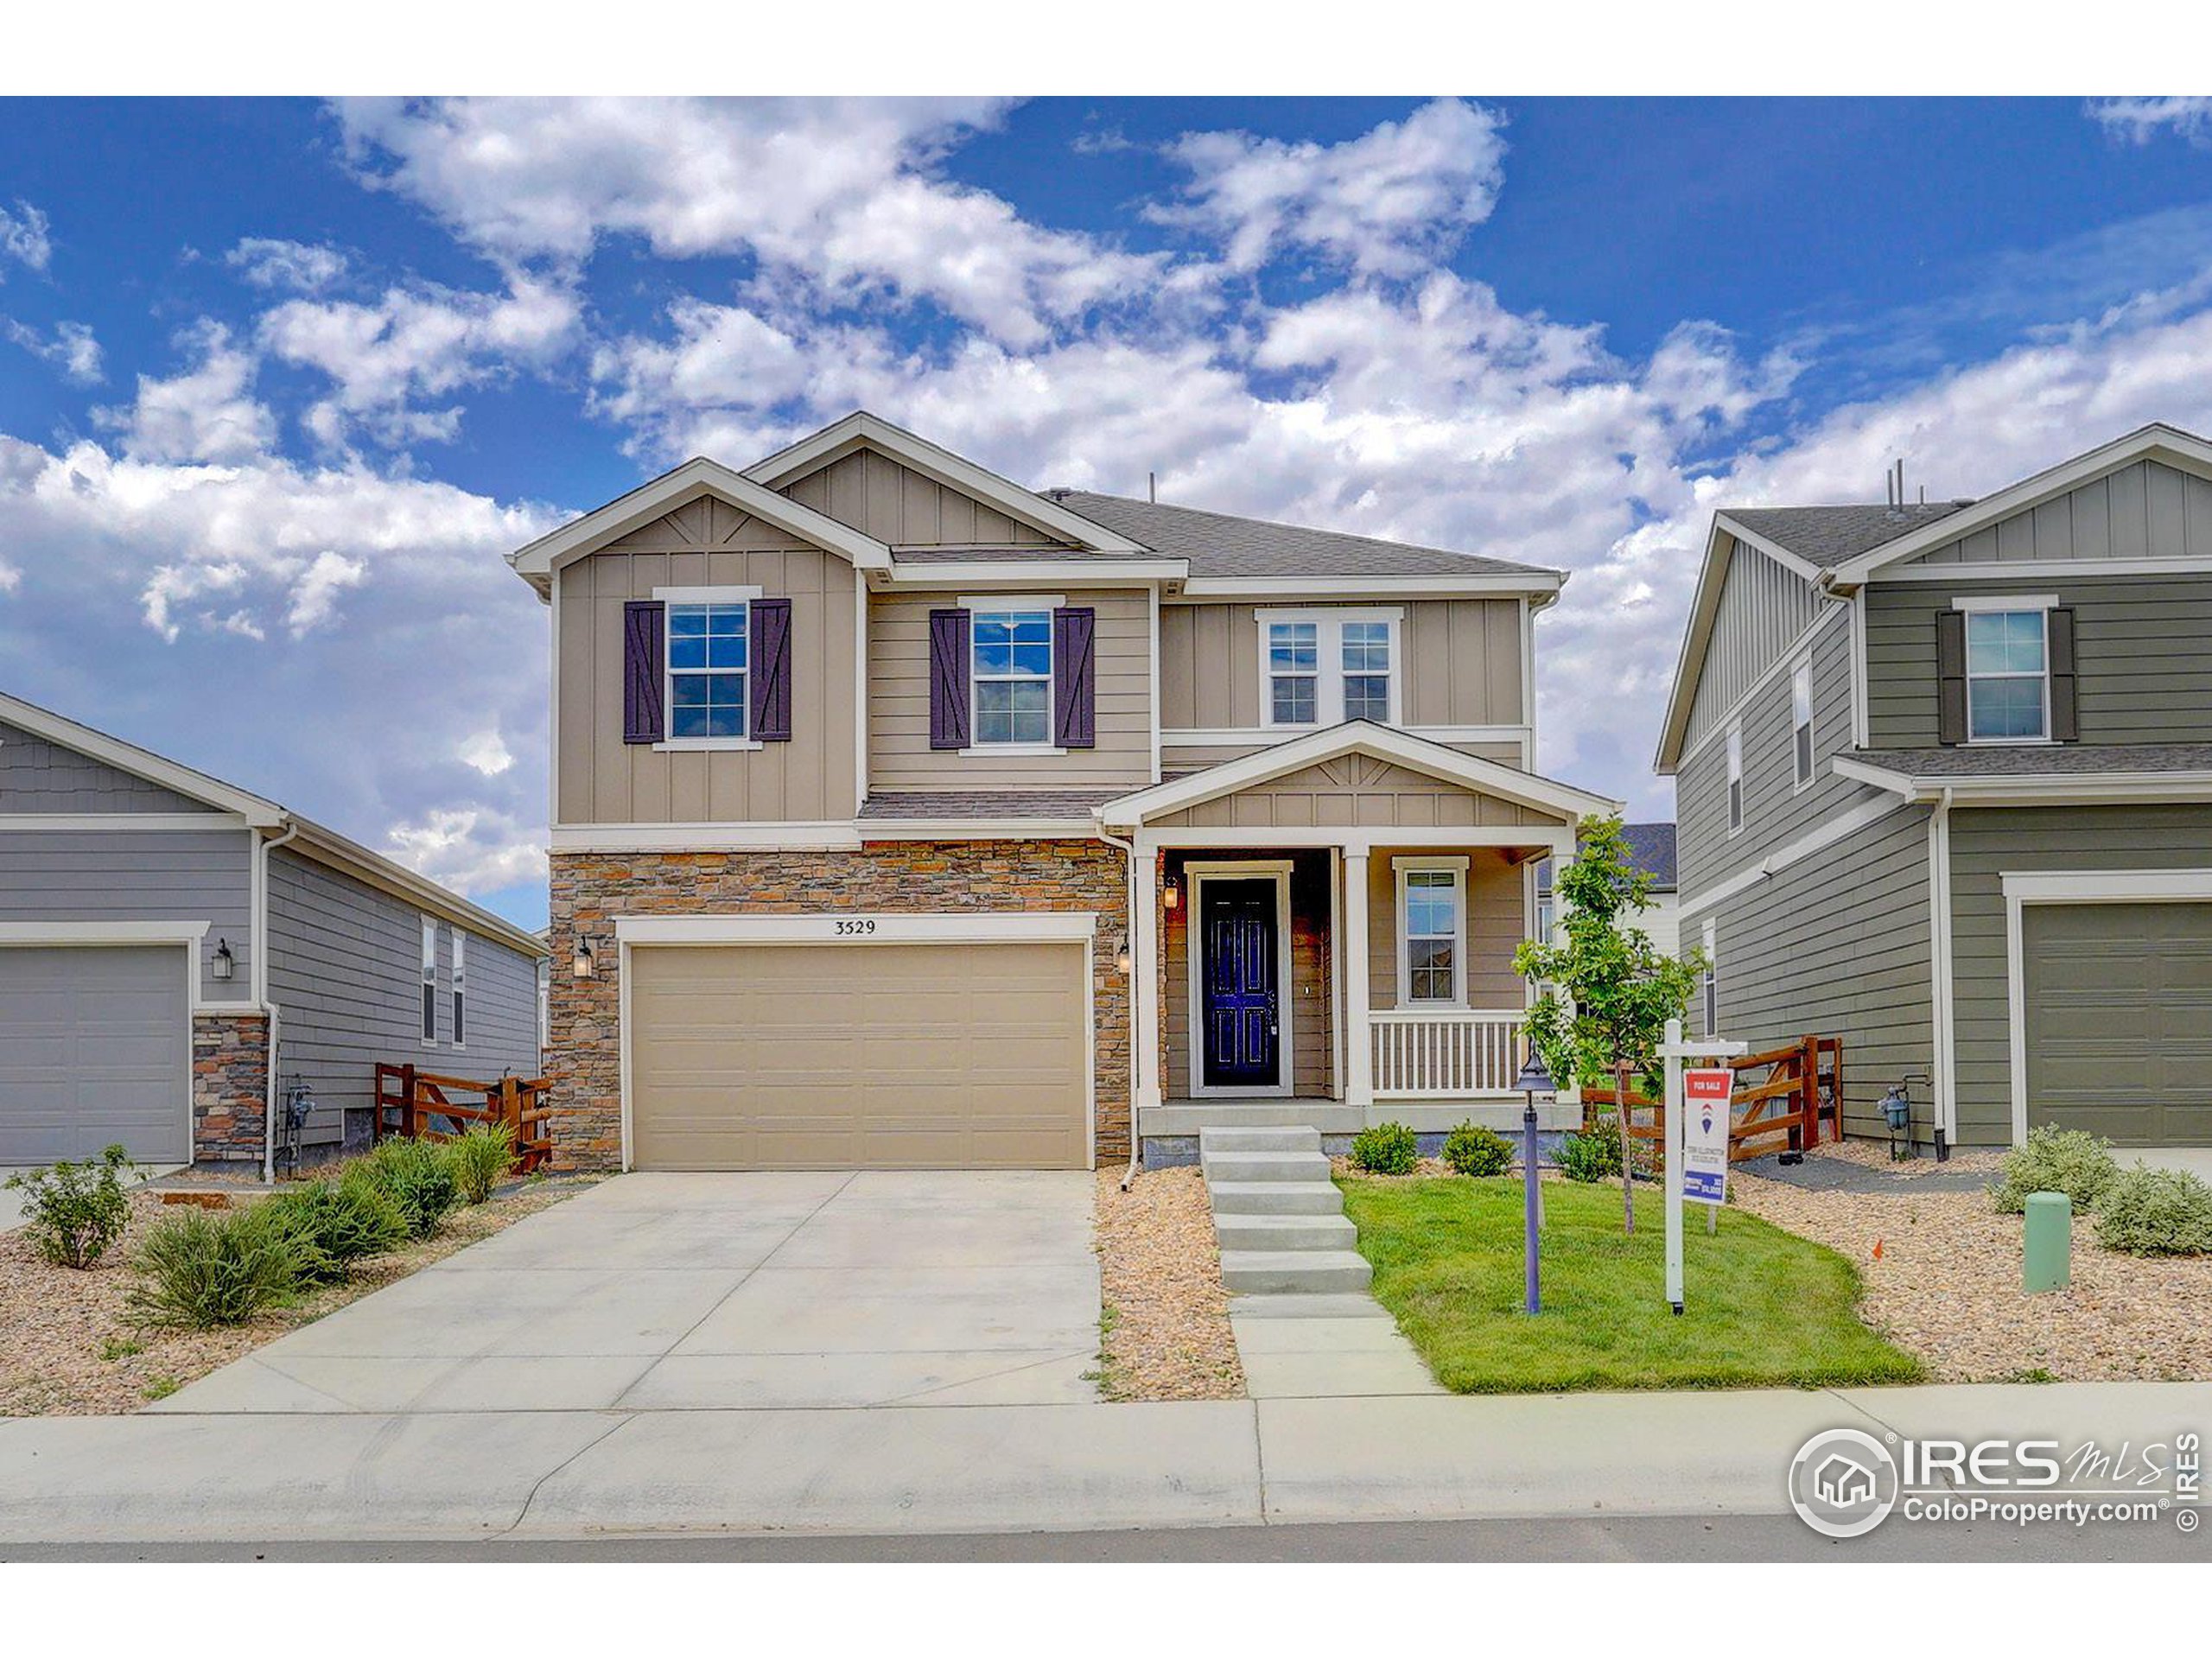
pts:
[202, 1269]
[72, 1212]
[1386, 1149]
[417, 1176]
[343, 1222]
[1470, 1150]
[2072, 1161]
[1593, 1157]
[482, 1155]
[2147, 1211]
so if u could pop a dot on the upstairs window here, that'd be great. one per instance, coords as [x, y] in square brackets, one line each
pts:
[429, 981]
[1735, 778]
[2008, 676]
[1012, 668]
[708, 646]
[1318, 667]
[1801, 721]
[460, 988]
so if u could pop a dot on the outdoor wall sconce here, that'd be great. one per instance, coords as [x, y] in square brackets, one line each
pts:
[1172, 893]
[1122, 956]
[585, 964]
[223, 965]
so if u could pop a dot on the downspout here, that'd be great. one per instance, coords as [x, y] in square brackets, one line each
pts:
[1939, 913]
[1129, 927]
[262, 848]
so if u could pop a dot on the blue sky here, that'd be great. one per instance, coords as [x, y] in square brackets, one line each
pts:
[280, 381]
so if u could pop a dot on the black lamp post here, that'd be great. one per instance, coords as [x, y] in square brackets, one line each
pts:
[1534, 1080]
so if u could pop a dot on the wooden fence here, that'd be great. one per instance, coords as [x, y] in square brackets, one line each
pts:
[421, 1106]
[1785, 1099]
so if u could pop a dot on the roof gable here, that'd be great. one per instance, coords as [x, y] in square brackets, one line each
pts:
[1719, 593]
[129, 759]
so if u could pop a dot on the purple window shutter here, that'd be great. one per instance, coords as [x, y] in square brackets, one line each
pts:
[642, 721]
[771, 671]
[1074, 677]
[949, 679]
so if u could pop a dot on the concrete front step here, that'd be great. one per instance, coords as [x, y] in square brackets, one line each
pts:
[1287, 1138]
[1274, 1272]
[1227, 1166]
[1193, 1118]
[1250, 1233]
[1277, 1199]
[1310, 1305]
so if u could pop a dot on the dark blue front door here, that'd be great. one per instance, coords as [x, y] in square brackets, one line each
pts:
[1239, 992]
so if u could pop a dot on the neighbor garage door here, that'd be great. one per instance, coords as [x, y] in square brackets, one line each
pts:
[2119, 1020]
[907, 1056]
[93, 1050]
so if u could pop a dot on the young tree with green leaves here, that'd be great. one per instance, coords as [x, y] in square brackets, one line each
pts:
[1608, 990]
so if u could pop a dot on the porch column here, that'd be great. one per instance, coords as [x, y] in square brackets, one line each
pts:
[1144, 978]
[1359, 1040]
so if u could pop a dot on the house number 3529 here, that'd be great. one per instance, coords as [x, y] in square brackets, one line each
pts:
[863, 926]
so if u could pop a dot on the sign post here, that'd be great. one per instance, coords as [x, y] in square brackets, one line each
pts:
[1712, 1118]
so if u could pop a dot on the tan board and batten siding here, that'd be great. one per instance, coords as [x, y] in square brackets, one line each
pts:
[900, 507]
[1357, 791]
[707, 543]
[917, 1056]
[900, 756]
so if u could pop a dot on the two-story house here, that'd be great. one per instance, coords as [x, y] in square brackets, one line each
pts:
[1943, 775]
[903, 816]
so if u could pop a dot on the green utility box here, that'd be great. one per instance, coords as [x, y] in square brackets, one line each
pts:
[2047, 1261]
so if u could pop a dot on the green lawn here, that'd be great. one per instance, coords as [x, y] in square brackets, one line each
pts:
[1765, 1308]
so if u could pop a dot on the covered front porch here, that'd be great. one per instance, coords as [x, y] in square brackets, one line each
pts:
[1330, 936]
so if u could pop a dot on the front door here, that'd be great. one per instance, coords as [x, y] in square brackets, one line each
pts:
[1240, 991]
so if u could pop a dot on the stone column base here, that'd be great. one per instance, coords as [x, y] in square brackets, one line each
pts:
[230, 1088]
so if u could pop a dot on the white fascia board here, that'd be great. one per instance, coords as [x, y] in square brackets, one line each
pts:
[1305, 589]
[2106, 886]
[1384, 742]
[2026, 570]
[1775, 550]
[1829, 832]
[537, 562]
[1228, 736]
[140, 763]
[836, 835]
[860, 929]
[158, 933]
[1861, 771]
[909, 450]
[329, 847]
[2182, 450]
[2036, 789]
[1075, 570]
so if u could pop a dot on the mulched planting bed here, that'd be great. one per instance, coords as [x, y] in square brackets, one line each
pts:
[1165, 1326]
[66, 1349]
[1947, 1287]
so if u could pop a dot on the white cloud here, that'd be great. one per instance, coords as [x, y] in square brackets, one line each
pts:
[473, 848]
[25, 236]
[385, 359]
[71, 347]
[485, 751]
[315, 592]
[2138, 120]
[207, 413]
[1391, 202]
[273, 262]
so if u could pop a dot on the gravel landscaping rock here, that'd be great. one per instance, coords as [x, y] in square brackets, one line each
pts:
[66, 1349]
[1946, 1286]
[1165, 1318]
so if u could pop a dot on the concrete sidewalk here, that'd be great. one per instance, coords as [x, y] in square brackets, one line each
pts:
[990, 1468]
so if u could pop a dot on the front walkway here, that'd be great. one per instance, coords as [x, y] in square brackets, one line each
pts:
[698, 1292]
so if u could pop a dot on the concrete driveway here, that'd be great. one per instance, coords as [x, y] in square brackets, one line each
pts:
[695, 1292]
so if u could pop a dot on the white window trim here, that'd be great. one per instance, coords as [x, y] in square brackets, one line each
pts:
[1457, 864]
[1737, 799]
[1708, 995]
[743, 596]
[1011, 605]
[457, 987]
[428, 979]
[1801, 672]
[1973, 604]
[1329, 662]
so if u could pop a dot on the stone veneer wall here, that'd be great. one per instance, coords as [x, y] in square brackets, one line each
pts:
[590, 890]
[230, 1082]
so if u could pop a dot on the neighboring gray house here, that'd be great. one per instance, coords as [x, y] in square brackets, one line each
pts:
[161, 933]
[1943, 773]
[1651, 849]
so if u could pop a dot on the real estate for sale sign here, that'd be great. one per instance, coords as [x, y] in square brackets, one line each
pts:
[1705, 1091]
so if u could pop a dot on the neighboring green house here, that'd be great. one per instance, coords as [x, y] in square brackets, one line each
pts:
[1943, 779]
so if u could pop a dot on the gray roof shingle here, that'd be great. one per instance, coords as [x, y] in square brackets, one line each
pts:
[1828, 536]
[1220, 544]
[2039, 761]
[1061, 805]
[1651, 847]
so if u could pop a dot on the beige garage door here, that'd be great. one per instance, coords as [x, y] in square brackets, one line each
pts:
[929, 1056]
[2119, 1006]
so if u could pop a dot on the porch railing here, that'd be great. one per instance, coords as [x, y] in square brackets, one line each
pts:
[1442, 1053]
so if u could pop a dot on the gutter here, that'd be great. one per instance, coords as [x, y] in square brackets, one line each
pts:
[1129, 910]
[259, 928]
[1939, 927]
